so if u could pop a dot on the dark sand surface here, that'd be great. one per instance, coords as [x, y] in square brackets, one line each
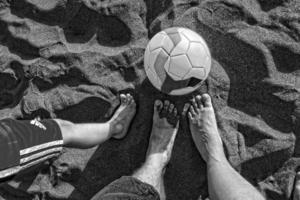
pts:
[71, 59]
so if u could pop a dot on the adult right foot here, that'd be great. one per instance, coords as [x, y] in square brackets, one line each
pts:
[204, 129]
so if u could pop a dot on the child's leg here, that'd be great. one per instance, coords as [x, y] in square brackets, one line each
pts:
[28, 143]
[87, 135]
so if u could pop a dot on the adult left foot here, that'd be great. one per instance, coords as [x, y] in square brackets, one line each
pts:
[120, 121]
[161, 142]
[164, 130]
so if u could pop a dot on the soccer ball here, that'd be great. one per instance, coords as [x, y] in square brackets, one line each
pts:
[177, 61]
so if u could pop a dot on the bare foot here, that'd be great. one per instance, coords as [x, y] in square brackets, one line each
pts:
[296, 195]
[164, 130]
[204, 128]
[120, 121]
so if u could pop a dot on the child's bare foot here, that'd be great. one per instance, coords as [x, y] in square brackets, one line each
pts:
[121, 119]
[164, 130]
[204, 129]
[296, 195]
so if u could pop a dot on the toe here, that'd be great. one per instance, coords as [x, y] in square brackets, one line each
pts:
[192, 111]
[157, 105]
[123, 98]
[190, 116]
[185, 108]
[194, 103]
[132, 103]
[199, 102]
[129, 98]
[166, 105]
[175, 112]
[132, 100]
[206, 100]
[171, 107]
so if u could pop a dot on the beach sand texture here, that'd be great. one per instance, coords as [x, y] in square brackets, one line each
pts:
[70, 59]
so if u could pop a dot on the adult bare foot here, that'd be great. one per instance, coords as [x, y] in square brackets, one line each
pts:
[120, 121]
[296, 195]
[164, 130]
[204, 129]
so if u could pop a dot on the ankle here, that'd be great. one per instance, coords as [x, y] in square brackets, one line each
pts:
[114, 128]
[157, 162]
[216, 161]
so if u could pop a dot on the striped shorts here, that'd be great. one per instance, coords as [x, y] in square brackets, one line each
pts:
[25, 143]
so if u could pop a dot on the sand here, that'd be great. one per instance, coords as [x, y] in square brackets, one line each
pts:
[71, 59]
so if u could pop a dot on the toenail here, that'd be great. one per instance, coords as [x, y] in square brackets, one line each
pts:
[175, 111]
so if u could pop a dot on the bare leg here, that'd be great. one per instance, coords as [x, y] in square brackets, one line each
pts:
[87, 135]
[164, 130]
[224, 182]
[296, 195]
